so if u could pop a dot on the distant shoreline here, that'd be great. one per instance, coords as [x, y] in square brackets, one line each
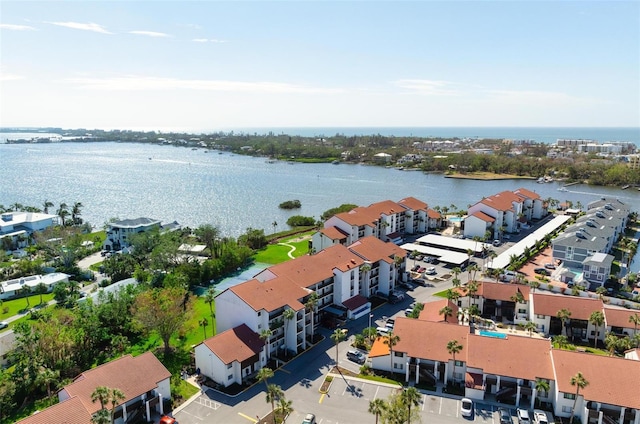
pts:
[487, 176]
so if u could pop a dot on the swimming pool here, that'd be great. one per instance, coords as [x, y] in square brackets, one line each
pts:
[494, 334]
[455, 219]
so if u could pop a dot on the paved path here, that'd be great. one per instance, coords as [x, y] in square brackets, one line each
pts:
[293, 249]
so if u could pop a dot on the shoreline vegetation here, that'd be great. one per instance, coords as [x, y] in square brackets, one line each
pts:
[454, 157]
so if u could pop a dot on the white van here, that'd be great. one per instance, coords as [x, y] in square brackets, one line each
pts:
[383, 331]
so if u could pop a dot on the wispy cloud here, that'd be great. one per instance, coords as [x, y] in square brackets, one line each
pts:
[208, 40]
[12, 27]
[429, 87]
[10, 77]
[150, 33]
[83, 26]
[138, 83]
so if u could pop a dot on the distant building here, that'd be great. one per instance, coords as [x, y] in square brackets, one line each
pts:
[119, 232]
[19, 226]
[11, 288]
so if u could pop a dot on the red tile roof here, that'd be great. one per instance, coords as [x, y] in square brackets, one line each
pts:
[483, 216]
[236, 344]
[550, 304]
[527, 193]
[433, 214]
[371, 214]
[334, 233]
[431, 311]
[413, 204]
[502, 201]
[501, 291]
[133, 375]
[272, 294]
[611, 380]
[355, 302]
[373, 249]
[71, 411]
[619, 317]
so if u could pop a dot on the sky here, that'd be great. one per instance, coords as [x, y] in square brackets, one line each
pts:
[223, 65]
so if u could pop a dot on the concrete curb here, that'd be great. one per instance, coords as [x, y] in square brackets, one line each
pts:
[192, 398]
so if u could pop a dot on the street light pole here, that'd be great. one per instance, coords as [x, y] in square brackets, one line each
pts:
[370, 315]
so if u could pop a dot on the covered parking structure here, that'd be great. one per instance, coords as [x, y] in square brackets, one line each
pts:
[446, 256]
[503, 260]
[454, 244]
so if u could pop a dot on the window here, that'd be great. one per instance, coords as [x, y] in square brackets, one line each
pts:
[398, 354]
[397, 366]
[229, 366]
[459, 363]
[522, 311]
[538, 316]
[259, 326]
[230, 376]
[457, 375]
[259, 313]
[566, 409]
[569, 396]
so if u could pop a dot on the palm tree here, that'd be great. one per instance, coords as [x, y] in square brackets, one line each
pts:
[518, 297]
[264, 374]
[391, 340]
[63, 212]
[310, 305]
[288, 315]
[601, 291]
[560, 340]
[564, 315]
[26, 291]
[611, 341]
[285, 407]
[446, 312]
[377, 407]
[337, 336]
[274, 394]
[541, 386]
[75, 213]
[101, 416]
[534, 284]
[115, 396]
[597, 319]
[100, 394]
[635, 320]
[47, 376]
[454, 347]
[472, 289]
[530, 327]
[203, 323]
[410, 397]
[264, 336]
[41, 289]
[46, 205]
[580, 382]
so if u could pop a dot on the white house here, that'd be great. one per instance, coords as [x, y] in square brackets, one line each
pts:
[231, 356]
[143, 380]
[119, 232]
[11, 288]
[23, 224]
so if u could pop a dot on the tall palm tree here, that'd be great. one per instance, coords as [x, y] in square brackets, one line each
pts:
[47, 376]
[472, 289]
[100, 394]
[541, 386]
[285, 407]
[210, 297]
[75, 213]
[377, 407]
[564, 314]
[611, 341]
[115, 397]
[310, 305]
[579, 382]
[288, 316]
[530, 326]
[274, 224]
[265, 335]
[635, 320]
[454, 347]
[337, 336]
[264, 374]
[601, 291]
[46, 205]
[597, 319]
[63, 212]
[391, 340]
[274, 394]
[410, 397]
[203, 323]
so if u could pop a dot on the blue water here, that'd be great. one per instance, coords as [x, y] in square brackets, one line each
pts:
[493, 334]
[234, 280]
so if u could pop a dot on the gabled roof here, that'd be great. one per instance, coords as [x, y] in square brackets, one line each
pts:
[433, 214]
[483, 216]
[355, 302]
[501, 291]
[424, 339]
[133, 223]
[133, 375]
[498, 356]
[523, 192]
[70, 411]
[271, 295]
[502, 201]
[413, 204]
[611, 380]
[236, 344]
[334, 233]
[619, 317]
[550, 304]
[369, 215]
[373, 249]
[431, 311]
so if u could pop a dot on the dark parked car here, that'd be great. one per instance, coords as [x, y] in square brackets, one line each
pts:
[505, 416]
[542, 271]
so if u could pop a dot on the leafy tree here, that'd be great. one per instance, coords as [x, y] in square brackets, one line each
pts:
[346, 207]
[209, 235]
[161, 310]
[41, 289]
[254, 239]
[300, 221]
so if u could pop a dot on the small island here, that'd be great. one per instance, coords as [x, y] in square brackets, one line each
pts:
[290, 204]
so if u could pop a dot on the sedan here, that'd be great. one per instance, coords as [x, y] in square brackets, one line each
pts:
[505, 416]
[542, 271]
[466, 407]
[3, 325]
[431, 270]
[550, 266]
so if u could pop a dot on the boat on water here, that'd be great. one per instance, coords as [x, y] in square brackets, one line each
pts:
[563, 189]
[541, 180]
[335, 162]
[624, 187]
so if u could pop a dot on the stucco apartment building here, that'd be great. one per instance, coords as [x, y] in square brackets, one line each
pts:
[143, 380]
[503, 211]
[490, 367]
[386, 220]
[276, 299]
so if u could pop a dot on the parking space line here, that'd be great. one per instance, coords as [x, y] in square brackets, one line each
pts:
[458, 409]
[424, 402]
[253, 420]
[376, 395]
[322, 397]
[440, 409]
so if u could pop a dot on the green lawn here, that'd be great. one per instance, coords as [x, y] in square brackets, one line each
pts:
[275, 253]
[442, 293]
[14, 306]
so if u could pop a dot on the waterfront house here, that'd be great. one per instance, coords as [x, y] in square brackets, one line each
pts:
[19, 226]
[143, 380]
[231, 357]
[119, 232]
[12, 288]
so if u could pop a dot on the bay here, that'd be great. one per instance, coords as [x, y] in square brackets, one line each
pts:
[234, 192]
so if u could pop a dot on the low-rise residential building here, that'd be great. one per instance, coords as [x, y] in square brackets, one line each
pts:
[119, 232]
[19, 226]
[232, 356]
[503, 302]
[544, 313]
[13, 288]
[143, 380]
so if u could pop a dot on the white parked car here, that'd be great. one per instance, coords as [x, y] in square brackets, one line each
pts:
[466, 407]
[431, 270]
[523, 416]
[540, 417]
